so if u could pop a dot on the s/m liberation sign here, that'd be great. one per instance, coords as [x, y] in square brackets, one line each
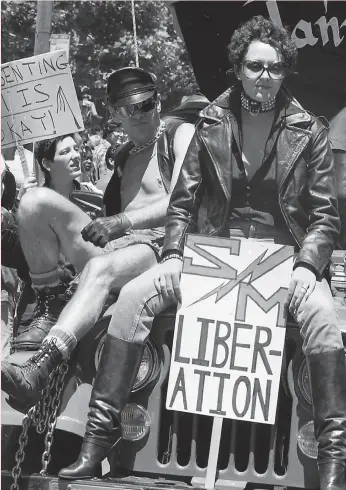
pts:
[38, 99]
[230, 330]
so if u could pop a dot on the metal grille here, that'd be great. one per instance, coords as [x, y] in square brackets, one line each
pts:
[253, 449]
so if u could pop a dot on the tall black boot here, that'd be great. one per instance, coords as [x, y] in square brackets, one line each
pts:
[25, 382]
[327, 373]
[114, 379]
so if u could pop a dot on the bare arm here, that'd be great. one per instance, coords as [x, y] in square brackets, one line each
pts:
[154, 214]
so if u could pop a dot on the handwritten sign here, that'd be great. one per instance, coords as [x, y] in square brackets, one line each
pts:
[38, 99]
[230, 330]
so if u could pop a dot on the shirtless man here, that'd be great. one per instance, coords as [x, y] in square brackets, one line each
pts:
[136, 201]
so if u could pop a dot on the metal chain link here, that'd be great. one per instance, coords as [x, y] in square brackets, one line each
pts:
[44, 417]
[134, 32]
[20, 454]
[55, 404]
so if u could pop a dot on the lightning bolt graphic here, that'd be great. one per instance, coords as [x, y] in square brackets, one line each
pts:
[256, 269]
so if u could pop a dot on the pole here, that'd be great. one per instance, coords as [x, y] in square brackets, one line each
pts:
[43, 26]
[42, 35]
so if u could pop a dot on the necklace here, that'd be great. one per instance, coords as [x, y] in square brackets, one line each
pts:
[160, 131]
[255, 107]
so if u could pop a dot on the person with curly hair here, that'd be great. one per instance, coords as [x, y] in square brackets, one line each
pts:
[263, 168]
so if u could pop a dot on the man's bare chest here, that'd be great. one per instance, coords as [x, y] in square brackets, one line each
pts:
[141, 178]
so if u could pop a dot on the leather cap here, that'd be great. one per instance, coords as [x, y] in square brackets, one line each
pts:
[130, 86]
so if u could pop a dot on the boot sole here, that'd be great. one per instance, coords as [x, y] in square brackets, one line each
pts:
[79, 477]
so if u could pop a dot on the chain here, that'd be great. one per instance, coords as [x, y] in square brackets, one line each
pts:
[44, 417]
[134, 32]
[58, 385]
[20, 454]
[162, 128]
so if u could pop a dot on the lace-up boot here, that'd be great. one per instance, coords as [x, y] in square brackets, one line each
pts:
[46, 313]
[24, 383]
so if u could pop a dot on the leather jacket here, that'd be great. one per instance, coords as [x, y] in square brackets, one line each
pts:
[304, 174]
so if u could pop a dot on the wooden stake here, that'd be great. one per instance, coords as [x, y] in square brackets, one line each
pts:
[213, 453]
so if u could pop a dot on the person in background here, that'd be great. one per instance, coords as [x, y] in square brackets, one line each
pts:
[87, 167]
[87, 107]
[110, 158]
[13, 162]
[113, 133]
[263, 168]
[100, 147]
[10, 258]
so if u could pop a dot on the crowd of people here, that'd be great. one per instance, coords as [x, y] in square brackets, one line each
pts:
[254, 161]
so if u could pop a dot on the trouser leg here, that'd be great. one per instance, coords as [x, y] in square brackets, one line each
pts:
[323, 347]
[136, 308]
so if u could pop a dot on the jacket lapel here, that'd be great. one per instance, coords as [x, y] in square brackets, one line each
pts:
[217, 140]
[292, 140]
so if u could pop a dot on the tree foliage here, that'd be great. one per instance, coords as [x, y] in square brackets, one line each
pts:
[101, 37]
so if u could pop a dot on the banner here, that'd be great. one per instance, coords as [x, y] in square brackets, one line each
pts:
[230, 330]
[38, 99]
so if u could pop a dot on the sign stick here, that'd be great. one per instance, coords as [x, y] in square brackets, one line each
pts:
[20, 148]
[213, 453]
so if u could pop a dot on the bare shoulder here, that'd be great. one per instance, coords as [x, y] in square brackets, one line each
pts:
[184, 131]
[182, 138]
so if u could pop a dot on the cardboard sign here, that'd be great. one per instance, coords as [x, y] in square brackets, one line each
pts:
[38, 100]
[230, 330]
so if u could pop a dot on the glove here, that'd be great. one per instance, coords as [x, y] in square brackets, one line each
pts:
[100, 231]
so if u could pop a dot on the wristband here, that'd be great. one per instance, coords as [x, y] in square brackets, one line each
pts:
[171, 256]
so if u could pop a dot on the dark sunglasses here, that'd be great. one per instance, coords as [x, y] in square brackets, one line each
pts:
[255, 69]
[127, 111]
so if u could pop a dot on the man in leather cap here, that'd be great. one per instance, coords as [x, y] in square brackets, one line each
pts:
[264, 169]
[110, 250]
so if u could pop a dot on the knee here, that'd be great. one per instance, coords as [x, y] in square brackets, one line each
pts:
[319, 304]
[34, 203]
[100, 269]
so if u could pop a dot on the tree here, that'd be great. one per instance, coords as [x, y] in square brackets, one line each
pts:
[102, 40]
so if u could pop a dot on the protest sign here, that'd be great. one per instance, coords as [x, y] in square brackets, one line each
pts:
[38, 99]
[230, 330]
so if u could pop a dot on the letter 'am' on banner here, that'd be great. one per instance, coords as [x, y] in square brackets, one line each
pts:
[230, 330]
[38, 99]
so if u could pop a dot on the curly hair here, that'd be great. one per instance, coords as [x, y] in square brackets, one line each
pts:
[259, 28]
[46, 149]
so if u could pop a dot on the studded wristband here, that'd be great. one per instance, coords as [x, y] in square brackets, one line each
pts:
[171, 256]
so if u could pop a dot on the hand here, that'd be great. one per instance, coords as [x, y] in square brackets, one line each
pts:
[100, 231]
[168, 279]
[28, 184]
[302, 284]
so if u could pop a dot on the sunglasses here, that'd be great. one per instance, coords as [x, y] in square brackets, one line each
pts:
[127, 111]
[255, 69]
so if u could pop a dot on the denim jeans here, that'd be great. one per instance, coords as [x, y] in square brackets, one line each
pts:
[139, 303]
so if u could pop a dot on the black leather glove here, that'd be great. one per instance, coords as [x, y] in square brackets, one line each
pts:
[103, 230]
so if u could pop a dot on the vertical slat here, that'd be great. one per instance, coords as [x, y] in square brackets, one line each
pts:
[271, 461]
[251, 463]
[233, 443]
[175, 437]
[193, 454]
